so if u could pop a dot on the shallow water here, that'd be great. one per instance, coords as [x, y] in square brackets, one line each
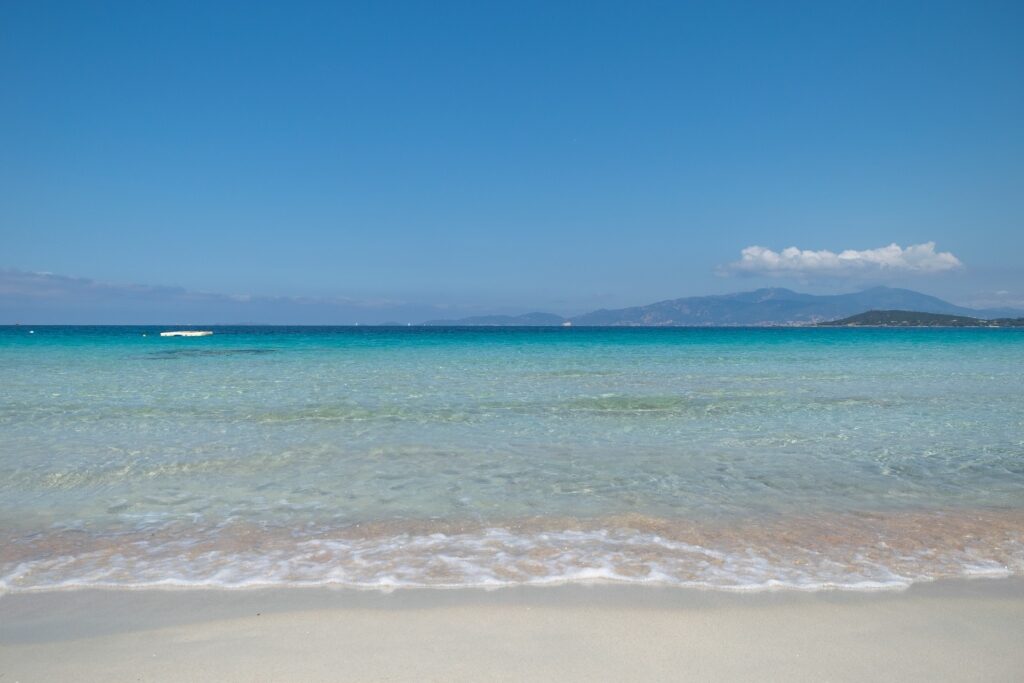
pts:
[729, 458]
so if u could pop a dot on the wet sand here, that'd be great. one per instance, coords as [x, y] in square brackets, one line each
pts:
[952, 630]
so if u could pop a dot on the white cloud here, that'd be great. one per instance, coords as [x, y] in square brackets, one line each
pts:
[893, 259]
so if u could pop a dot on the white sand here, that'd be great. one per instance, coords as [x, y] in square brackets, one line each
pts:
[955, 631]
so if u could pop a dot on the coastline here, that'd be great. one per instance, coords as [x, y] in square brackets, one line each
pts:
[956, 630]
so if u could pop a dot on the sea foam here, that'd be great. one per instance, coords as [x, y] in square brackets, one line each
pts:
[873, 554]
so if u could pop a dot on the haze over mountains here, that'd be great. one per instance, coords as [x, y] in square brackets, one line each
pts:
[770, 306]
[46, 298]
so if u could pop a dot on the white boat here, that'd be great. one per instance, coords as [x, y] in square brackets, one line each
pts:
[187, 333]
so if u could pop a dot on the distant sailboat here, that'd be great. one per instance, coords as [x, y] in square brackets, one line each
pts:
[187, 333]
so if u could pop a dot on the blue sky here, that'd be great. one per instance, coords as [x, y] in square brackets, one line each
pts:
[509, 157]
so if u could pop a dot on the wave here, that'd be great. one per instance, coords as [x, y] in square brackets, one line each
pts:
[846, 552]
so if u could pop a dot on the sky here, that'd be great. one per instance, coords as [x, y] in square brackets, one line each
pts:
[396, 161]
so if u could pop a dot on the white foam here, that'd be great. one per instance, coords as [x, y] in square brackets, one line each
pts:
[497, 557]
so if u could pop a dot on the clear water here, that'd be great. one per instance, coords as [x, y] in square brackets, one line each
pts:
[726, 458]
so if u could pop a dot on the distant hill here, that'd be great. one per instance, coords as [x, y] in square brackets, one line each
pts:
[776, 306]
[918, 319]
[525, 320]
[771, 306]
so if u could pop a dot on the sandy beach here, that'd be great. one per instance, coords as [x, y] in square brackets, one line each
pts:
[944, 631]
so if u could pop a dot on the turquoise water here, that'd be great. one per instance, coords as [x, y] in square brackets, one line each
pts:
[726, 458]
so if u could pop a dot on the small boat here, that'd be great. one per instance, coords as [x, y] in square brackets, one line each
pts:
[187, 333]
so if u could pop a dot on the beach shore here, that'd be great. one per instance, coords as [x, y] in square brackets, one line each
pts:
[968, 630]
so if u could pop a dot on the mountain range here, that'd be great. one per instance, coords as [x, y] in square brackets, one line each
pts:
[769, 306]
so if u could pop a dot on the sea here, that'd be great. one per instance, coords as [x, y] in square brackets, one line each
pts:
[370, 457]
